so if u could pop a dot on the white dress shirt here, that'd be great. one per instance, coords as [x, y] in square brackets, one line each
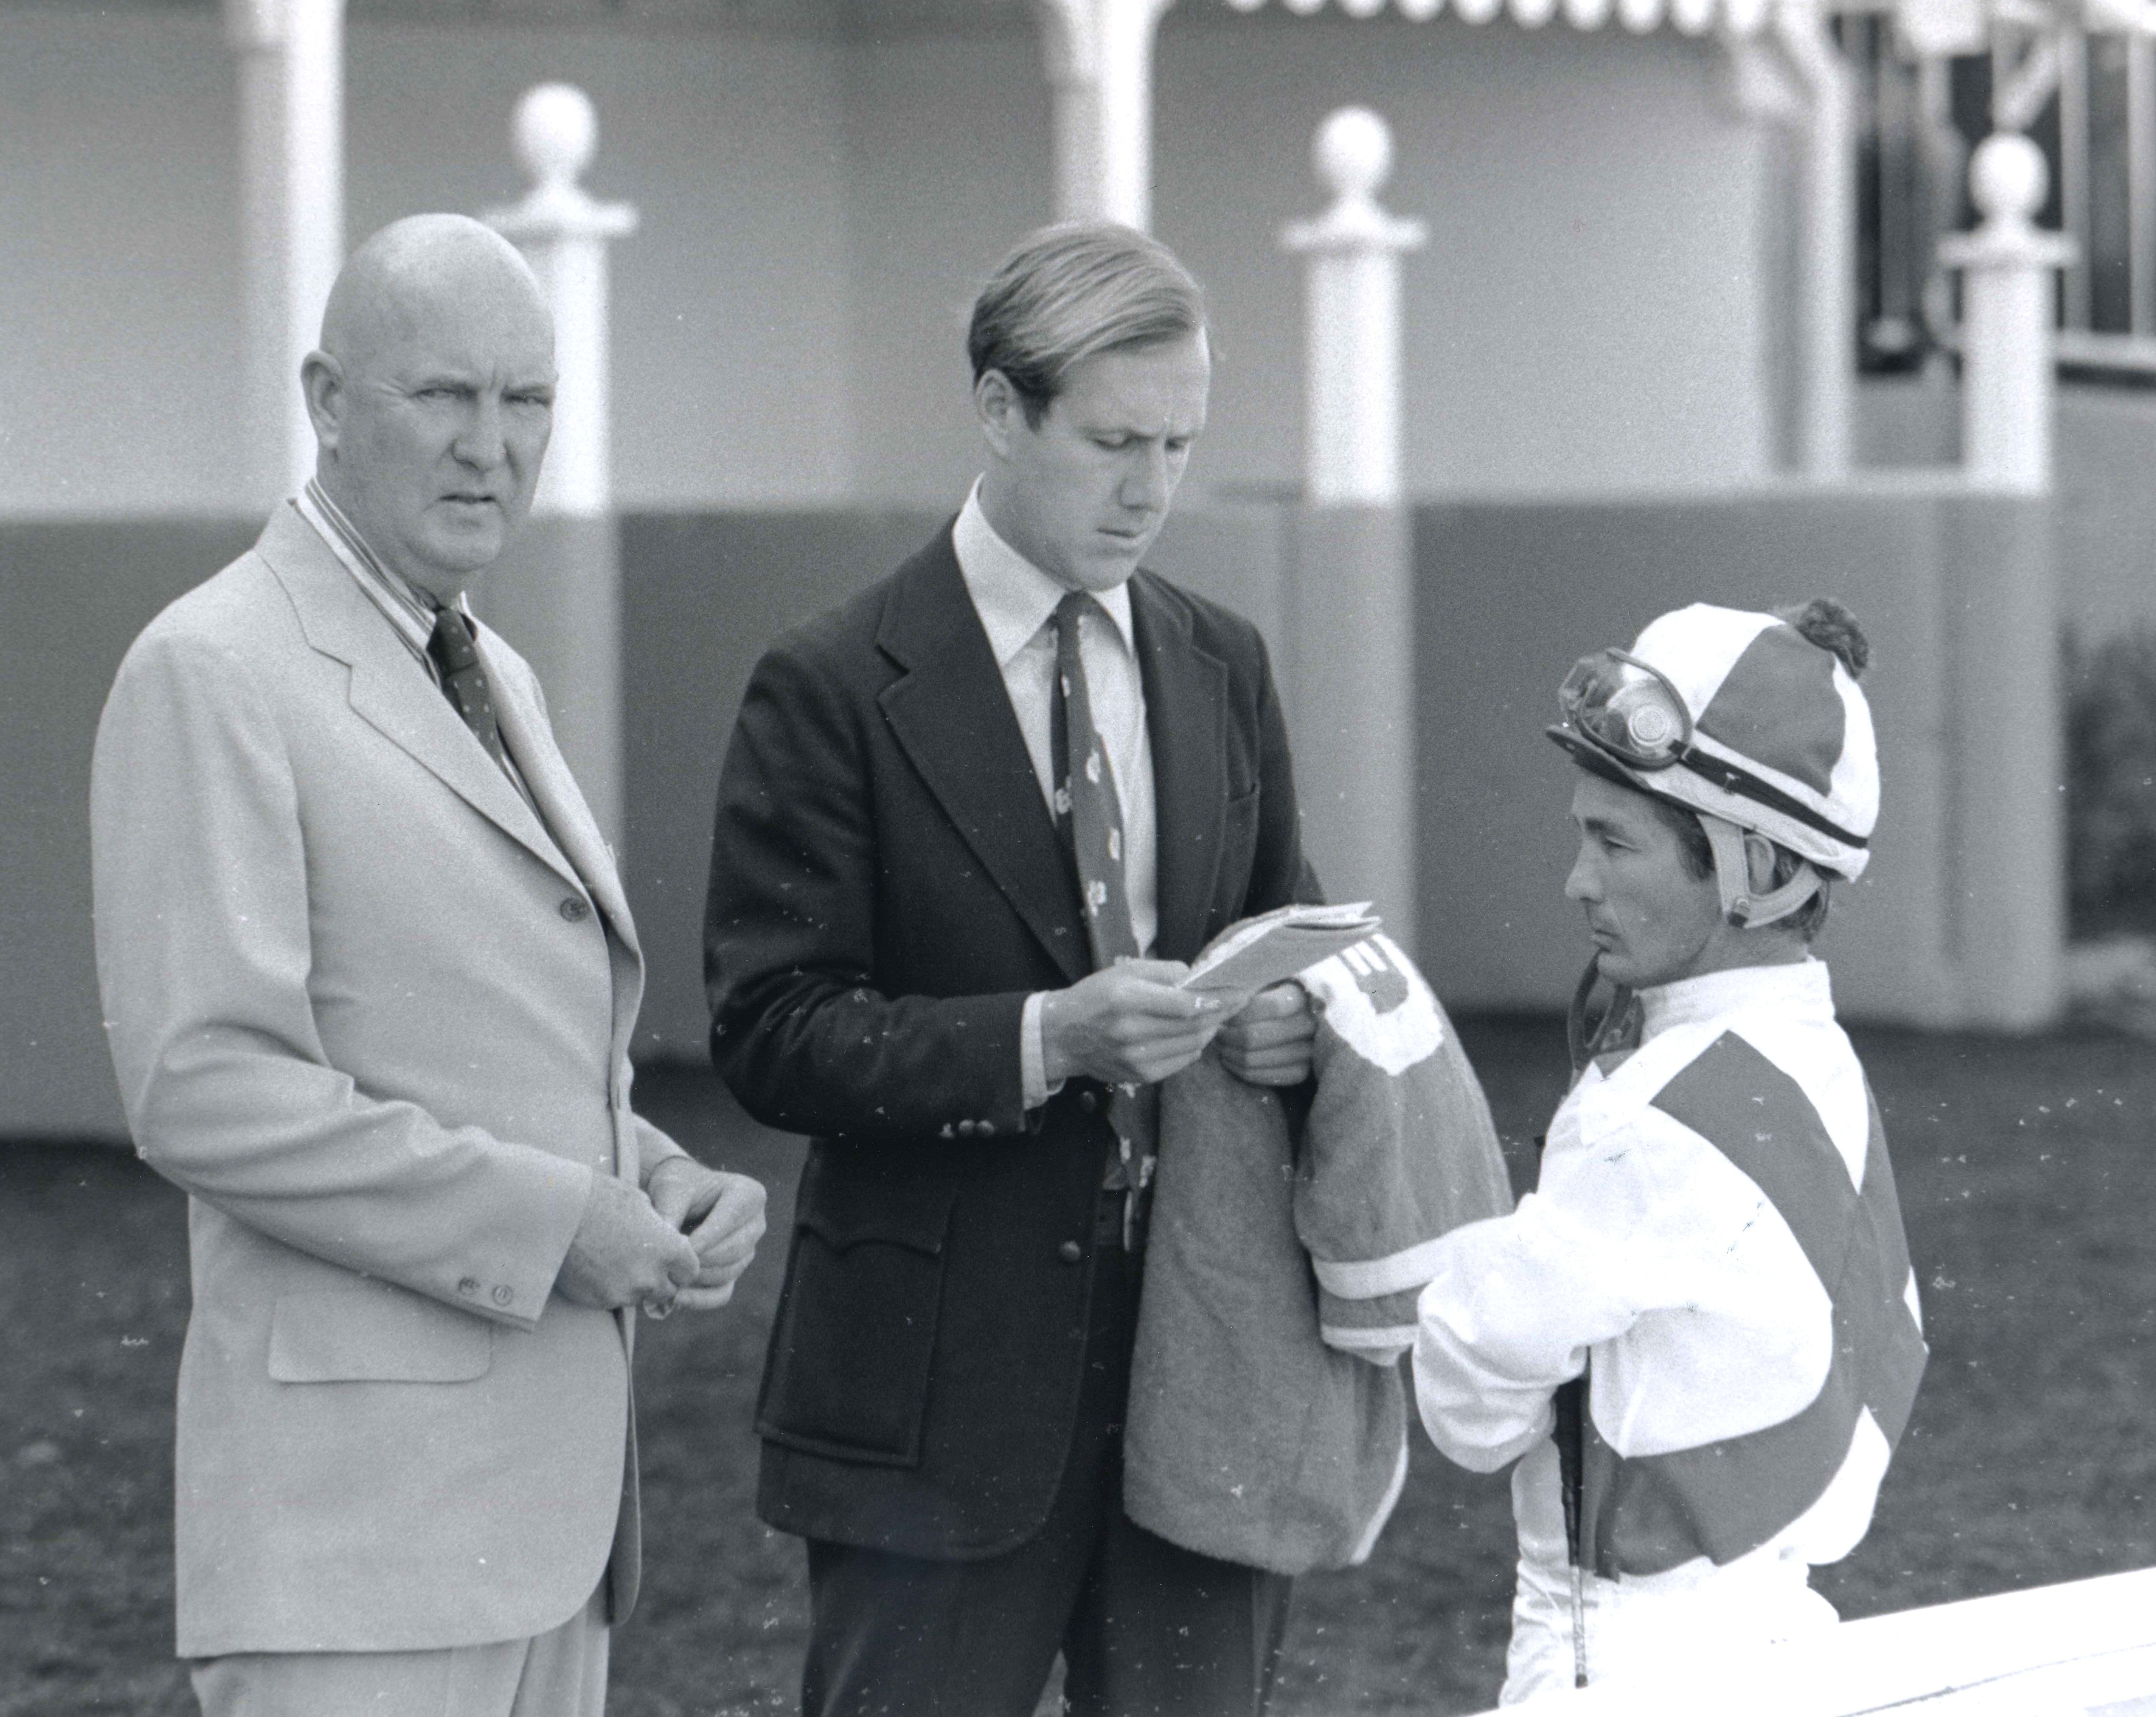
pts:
[1016, 602]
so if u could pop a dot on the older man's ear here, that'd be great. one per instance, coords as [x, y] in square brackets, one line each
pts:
[321, 384]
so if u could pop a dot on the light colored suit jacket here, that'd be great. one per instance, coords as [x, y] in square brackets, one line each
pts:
[373, 1015]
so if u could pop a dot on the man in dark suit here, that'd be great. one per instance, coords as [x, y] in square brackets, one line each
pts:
[971, 825]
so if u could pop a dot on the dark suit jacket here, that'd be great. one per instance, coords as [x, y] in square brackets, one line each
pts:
[886, 889]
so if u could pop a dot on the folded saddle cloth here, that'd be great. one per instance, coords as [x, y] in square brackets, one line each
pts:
[1268, 1422]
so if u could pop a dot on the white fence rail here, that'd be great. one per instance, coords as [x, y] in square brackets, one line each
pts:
[2085, 1648]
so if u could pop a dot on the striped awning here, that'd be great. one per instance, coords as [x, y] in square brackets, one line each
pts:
[1693, 17]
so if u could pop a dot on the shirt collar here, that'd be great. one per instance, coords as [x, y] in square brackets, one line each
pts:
[407, 607]
[1800, 990]
[1014, 598]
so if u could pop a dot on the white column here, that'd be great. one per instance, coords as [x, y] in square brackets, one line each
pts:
[2007, 367]
[1352, 348]
[1099, 58]
[1827, 328]
[557, 596]
[291, 143]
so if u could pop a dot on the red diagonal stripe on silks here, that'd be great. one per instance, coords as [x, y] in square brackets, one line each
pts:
[1648, 1514]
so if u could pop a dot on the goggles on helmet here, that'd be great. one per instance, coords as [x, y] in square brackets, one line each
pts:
[1627, 708]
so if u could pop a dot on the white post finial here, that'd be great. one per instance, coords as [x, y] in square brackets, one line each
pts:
[1354, 154]
[557, 133]
[292, 132]
[1352, 352]
[563, 231]
[2008, 177]
[2007, 262]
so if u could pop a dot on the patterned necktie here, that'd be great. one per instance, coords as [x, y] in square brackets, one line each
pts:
[464, 680]
[1090, 817]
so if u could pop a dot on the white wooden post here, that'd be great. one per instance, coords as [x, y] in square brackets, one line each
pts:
[1099, 56]
[1352, 607]
[291, 175]
[2006, 864]
[559, 595]
[2007, 382]
[1351, 351]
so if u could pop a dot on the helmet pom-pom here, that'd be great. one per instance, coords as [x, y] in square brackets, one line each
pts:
[1827, 623]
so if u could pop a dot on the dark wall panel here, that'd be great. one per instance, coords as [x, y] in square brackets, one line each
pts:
[702, 594]
[72, 597]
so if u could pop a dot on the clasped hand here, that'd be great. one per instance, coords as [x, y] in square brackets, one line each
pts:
[685, 1245]
[1269, 1042]
[1131, 1025]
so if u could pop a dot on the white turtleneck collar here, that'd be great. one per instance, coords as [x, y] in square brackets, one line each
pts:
[1797, 991]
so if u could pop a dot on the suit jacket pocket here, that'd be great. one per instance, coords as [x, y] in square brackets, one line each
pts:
[375, 1334]
[848, 1375]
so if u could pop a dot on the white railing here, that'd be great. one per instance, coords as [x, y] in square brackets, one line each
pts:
[2073, 1650]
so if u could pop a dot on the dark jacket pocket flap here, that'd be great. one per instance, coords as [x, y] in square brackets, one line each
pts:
[376, 1334]
[851, 1349]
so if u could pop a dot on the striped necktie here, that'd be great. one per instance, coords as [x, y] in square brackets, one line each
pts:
[464, 681]
[1090, 817]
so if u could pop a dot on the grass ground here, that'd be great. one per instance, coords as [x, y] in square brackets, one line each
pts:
[2027, 1177]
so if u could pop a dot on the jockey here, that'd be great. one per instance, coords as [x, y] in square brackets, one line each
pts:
[1699, 1336]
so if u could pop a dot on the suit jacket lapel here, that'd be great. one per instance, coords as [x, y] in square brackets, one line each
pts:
[951, 715]
[390, 691]
[1186, 692]
[531, 742]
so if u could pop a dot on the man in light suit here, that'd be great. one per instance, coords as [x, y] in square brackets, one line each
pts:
[956, 813]
[370, 980]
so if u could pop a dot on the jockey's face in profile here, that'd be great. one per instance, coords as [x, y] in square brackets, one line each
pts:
[1654, 915]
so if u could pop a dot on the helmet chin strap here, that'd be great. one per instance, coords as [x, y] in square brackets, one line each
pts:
[1732, 873]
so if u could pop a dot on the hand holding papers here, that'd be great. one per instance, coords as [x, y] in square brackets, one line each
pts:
[1262, 952]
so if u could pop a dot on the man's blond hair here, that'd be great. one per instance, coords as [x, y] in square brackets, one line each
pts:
[1071, 292]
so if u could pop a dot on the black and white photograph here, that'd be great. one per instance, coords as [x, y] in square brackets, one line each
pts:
[1077, 858]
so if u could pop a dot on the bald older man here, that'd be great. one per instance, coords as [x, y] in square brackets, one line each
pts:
[370, 980]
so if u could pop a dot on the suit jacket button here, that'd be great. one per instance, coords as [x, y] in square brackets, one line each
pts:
[966, 1128]
[1088, 1101]
[503, 1295]
[1071, 1252]
[469, 1285]
[575, 910]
